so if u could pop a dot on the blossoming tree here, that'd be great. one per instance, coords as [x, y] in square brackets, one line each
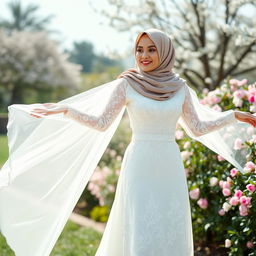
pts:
[213, 39]
[31, 60]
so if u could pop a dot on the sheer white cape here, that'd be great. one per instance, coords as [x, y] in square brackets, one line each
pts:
[52, 159]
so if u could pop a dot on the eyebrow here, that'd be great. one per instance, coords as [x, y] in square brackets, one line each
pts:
[148, 46]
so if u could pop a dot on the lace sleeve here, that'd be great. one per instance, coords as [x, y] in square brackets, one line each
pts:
[102, 122]
[199, 127]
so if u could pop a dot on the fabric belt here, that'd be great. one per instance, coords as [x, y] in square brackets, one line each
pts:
[153, 136]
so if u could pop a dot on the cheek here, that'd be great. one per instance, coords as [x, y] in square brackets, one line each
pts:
[156, 59]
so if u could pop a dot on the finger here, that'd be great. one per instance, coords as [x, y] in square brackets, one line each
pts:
[35, 116]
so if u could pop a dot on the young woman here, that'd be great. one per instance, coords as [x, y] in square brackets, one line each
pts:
[52, 160]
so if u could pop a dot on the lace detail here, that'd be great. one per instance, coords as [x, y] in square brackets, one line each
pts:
[102, 122]
[199, 127]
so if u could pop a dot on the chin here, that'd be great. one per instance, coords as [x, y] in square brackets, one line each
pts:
[146, 69]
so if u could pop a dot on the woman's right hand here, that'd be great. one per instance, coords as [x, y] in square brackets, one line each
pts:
[49, 109]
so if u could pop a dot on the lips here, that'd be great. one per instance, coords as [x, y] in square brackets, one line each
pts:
[146, 62]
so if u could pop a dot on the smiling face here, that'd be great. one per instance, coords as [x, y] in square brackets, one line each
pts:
[146, 54]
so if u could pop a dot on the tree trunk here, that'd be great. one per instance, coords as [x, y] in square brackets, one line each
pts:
[16, 95]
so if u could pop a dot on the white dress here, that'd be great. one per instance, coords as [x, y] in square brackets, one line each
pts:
[151, 211]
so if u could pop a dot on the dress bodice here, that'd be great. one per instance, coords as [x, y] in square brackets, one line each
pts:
[149, 116]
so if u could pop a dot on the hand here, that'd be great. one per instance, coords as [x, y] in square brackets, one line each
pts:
[49, 109]
[246, 117]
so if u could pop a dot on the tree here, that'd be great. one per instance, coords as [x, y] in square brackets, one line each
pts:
[24, 18]
[31, 60]
[214, 39]
[83, 54]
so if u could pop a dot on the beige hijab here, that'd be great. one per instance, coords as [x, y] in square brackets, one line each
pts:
[160, 83]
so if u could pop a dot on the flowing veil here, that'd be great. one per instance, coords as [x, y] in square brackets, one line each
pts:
[52, 159]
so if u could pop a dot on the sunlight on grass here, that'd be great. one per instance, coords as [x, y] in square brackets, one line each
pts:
[3, 149]
[73, 241]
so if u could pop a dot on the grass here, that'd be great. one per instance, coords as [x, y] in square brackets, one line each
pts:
[73, 241]
[3, 149]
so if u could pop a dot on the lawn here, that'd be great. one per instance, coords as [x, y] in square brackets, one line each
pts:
[3, 149]
[73, 241]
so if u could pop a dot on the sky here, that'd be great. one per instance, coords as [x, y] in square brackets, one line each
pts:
[76, 21]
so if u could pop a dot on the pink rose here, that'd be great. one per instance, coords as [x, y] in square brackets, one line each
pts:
[226, 184]
[233, 172]
[220, 158]
[238, 144]
[234, 200]
[250, 165]
[239, 93]
[242, 82]
[251, 187]
[243, 210]
[221, 183]
[249, 244]
[221, 212]
[203, 203]
[233, 82]
[251, 98]
[226, 191]
[245, 200]
[194, 194]
[238, 193]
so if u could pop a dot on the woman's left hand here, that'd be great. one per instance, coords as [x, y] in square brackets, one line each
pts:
[49, 109]
[246, 117]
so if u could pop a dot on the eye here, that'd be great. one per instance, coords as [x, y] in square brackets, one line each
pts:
[152, 50]
[138, 50]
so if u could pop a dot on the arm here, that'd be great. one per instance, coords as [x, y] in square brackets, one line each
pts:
[102, 122]
[197, 126]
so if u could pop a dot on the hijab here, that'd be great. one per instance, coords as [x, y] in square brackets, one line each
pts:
[160, 83]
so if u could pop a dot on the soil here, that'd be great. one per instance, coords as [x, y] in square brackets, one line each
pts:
[213, 249]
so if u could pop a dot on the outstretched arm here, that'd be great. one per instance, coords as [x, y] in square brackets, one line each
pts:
[197, 126]
[116, 102]
[102, 122]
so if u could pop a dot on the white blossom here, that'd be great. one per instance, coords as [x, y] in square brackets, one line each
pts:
[32, 59]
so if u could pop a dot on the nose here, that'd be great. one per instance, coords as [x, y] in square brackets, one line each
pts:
[144, 54]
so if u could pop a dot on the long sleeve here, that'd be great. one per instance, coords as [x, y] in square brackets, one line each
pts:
[103, 121]
[200, 127]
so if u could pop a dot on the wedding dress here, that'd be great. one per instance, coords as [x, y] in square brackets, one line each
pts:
[52, 159]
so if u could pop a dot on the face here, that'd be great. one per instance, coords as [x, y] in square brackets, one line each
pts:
[146, 54]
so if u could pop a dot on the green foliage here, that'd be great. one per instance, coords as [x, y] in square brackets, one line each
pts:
[100, 213]
[83, 54]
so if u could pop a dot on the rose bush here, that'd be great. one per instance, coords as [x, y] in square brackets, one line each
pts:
[223, 199]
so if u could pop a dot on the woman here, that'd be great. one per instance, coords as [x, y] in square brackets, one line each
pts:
[151, 211]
